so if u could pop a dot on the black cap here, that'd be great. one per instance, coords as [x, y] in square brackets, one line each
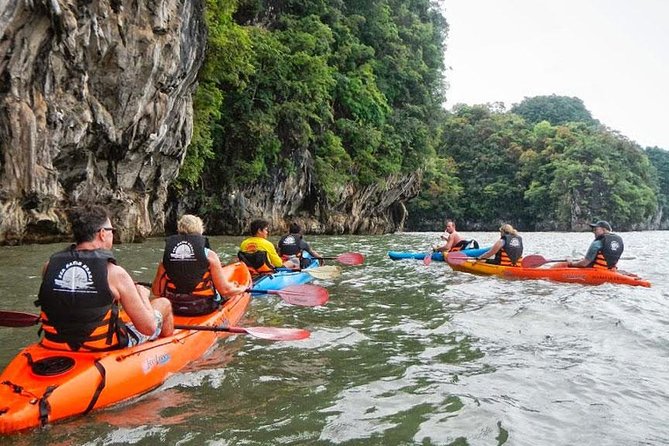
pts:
[601, 224]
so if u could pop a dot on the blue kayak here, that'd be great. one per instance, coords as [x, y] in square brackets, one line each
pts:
[283, 278]
[437, 256]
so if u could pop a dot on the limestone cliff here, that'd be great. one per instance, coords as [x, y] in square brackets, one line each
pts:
[95, 105]
[296, 197]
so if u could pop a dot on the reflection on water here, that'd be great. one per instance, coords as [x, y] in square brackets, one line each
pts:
[404, 354]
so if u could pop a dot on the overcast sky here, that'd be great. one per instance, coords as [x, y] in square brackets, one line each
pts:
[612, 54]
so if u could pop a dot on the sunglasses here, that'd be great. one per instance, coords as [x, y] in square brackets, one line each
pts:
[112, 230]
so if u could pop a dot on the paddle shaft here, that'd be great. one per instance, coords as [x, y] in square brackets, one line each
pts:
[307, 296]
[268, 333]
[210, 328]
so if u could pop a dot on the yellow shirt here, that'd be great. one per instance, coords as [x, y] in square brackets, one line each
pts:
[253, 244]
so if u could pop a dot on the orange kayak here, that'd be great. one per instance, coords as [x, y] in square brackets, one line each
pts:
[40, 385]
[560, 272]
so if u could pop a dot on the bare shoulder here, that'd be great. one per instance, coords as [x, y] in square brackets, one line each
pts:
[213, 258]
[117, 275]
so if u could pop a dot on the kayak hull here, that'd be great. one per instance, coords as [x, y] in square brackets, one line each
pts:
[558, 273]
[436, 256]
[29, 399]
[589, 276]
[283, 278]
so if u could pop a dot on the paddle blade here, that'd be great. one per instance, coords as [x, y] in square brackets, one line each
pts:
[324, 272]
[305, 295]
[276, 334]
[427, 259]
[533, 261]
[18, 319]
[270, 333]
[351, 258]
[458, 258]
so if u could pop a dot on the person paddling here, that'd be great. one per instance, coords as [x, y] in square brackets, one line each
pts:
[292, 247]
[83, 289]
[454, 241]
[191, 275]
[605, 251]
[258, 253]
[508, 250]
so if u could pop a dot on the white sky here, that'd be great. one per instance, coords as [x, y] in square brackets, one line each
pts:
[612, 54]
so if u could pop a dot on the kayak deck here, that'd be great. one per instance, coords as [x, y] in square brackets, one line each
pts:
[436, 256]
[31, 395]
[283, 278]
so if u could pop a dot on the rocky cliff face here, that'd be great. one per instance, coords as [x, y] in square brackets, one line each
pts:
[95, 105]
[296, 197]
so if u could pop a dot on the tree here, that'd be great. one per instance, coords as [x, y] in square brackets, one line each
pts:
[557, 110]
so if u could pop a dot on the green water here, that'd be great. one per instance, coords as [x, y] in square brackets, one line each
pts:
[402, 354]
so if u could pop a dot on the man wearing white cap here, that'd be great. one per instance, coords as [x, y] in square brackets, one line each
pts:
[604, 251]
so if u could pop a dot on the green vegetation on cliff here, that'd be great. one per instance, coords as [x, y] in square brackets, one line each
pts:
[358, 88]
[357, 85]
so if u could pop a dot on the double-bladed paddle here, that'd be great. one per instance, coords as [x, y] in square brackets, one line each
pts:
[428, 257]
[17, 319]
[324, 272]
[458, 258]
[304, 295]
[21, 319]
[318, 272]
[347, 258]
[269, 333]
[536, 260]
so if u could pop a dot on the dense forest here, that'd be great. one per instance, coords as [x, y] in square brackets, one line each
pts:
[361, 86]
[358, 84]
[544, 165]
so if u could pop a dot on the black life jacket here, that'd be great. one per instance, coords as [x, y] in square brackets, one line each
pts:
[257, 262]
[78, 308]
[188, 283]
[612, 248]
[290, 245]
[464, 244]
[511, 252]
[294, 245]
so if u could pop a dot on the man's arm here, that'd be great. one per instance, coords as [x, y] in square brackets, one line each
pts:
[158, 286]
[304, 246]
[133, 298]
[454, 239]
[222, 284]
[595, 246]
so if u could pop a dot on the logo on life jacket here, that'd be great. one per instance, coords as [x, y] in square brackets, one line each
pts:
[290, 240]
[514, 243]
[75, 276]
[615, 246]
[183, 251]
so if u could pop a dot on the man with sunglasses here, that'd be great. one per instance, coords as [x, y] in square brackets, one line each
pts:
[605, 251]
[83, 290]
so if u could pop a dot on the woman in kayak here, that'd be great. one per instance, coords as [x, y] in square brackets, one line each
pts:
[508, 250]
[258, 253]
[605, 251]
[83, 288]
[190, 274]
